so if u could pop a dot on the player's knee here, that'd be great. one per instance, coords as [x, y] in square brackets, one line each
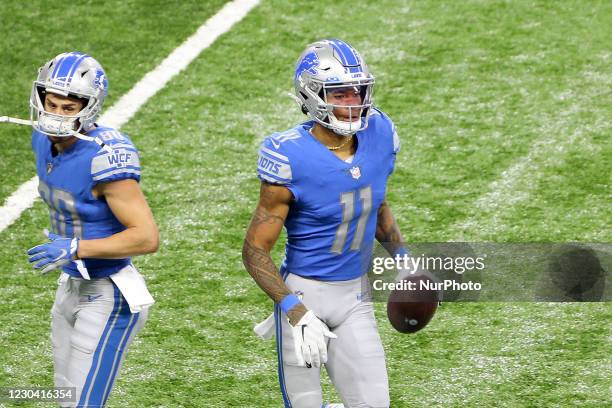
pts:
[306, 399]
[64, 382]
[381, 402]
[380, 399]
[371, 404]
[373, 397]
[60, 380]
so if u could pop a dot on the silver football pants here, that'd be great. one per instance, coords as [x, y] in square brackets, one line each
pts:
[91, 329]
[355, 360]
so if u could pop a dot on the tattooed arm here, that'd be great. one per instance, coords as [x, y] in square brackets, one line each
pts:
[265, 227]
[387, 231]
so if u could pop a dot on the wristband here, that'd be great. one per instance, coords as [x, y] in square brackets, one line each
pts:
[402, 251]
[289, 302]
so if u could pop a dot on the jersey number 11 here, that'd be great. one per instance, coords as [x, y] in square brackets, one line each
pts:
[348, 212]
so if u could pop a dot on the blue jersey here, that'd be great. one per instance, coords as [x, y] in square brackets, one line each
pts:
[66, 183]
[332, 220]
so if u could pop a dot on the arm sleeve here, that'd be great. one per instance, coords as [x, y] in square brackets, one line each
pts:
[274, 167]
[122, 163]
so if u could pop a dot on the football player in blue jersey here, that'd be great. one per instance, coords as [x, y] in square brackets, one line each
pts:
[89, 178]
[325, 182]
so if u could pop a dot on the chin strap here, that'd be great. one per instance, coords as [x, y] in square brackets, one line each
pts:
[295, 98]
[8, 119]
[94, 139]
[26, 122]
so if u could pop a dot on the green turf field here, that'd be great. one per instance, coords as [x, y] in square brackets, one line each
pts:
[504, 111]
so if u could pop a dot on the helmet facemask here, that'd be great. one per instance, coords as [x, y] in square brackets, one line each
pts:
[53, 124]
[357, 114]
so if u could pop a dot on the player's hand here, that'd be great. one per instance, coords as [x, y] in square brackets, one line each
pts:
[58, 252]
[310, 335]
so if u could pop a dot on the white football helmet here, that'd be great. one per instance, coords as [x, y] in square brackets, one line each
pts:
[327, 65]
[71, 74]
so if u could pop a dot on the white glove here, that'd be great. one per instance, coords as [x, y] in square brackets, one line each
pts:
[309, 336]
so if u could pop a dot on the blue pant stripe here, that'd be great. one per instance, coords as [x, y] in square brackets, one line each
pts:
[279, 344]
[109, 353]
[279, 350]
[96, 358]
[119, 356]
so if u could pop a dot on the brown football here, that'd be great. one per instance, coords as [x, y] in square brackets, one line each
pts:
[411, 309]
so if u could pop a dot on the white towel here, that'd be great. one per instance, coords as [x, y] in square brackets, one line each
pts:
[133, 288]
[265, 329]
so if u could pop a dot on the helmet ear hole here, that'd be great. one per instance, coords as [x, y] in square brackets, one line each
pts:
[304, 98]
[41, 94]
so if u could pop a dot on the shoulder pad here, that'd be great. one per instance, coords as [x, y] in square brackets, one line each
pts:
[112, 137]
[122, 163]
[387, 128]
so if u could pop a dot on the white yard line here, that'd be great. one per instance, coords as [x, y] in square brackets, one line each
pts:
[122, 111]
[517, 183]
[508, 190]
[18, 202]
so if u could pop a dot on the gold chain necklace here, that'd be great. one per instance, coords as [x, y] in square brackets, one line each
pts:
[341, 145]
